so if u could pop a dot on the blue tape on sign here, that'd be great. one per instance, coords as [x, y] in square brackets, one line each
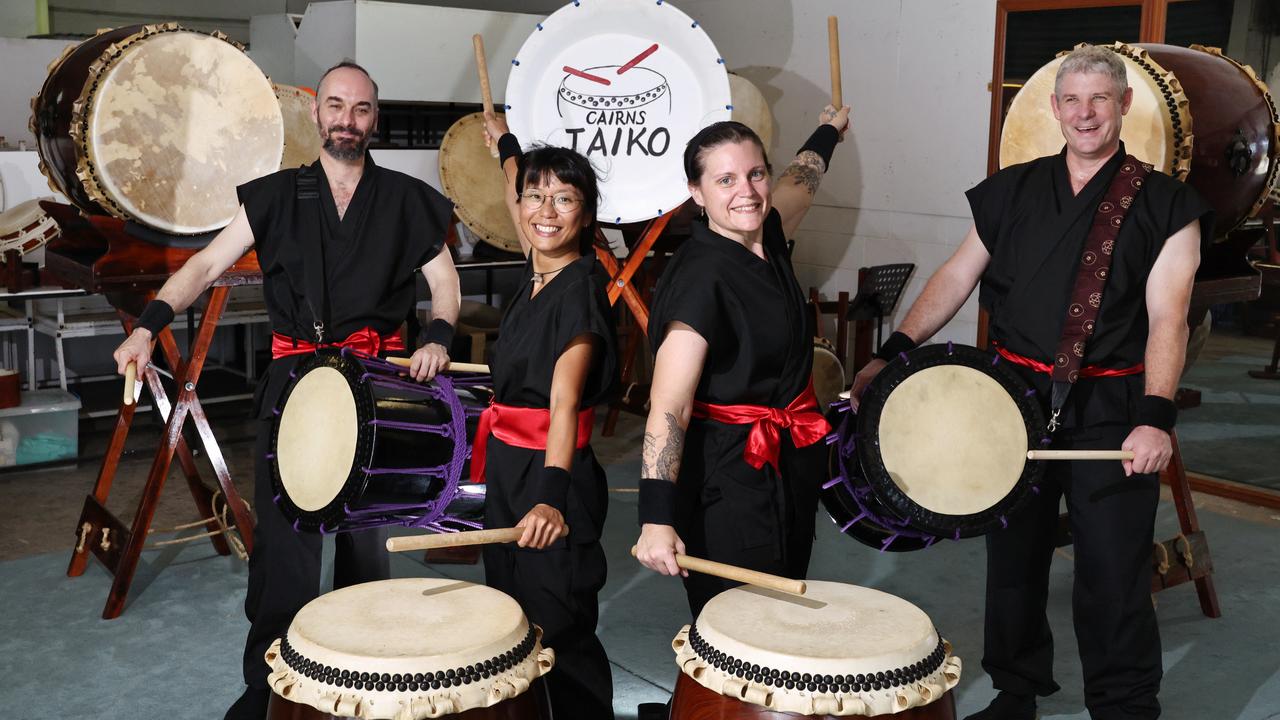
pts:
[719, 61]
[539, 26]
[515, 62]
[728, 107]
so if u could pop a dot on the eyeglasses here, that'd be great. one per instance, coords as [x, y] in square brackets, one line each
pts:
[563, 203]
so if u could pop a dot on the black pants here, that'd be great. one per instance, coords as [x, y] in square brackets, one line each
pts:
[284, 569]
[1112, 525]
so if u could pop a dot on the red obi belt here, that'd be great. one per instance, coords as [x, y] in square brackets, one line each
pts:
[764, 442]
[365, 340]
[520, 427]
[1089, 371]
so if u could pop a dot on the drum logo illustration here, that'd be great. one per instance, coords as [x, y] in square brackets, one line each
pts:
[616, 109]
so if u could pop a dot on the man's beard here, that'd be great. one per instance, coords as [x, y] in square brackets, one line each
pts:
[345, 149]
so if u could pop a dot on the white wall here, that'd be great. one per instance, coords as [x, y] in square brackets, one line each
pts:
[271, 45]
[23, 66]
[915, 73]
[18, 18]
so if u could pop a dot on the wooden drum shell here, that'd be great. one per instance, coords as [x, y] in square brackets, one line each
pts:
[692, 701]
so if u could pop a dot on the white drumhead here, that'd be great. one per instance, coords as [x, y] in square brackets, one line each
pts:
[828, 376]
[316, 443]
[952, 439]
[474, 181]
[750, 108]
[176, 123]
[1030, 130]
[302, 143]
[632, 124]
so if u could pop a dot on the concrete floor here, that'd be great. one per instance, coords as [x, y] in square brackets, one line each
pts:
[175, 651]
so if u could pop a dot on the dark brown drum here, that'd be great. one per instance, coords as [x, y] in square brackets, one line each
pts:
[1196, 115]
[837, 651]
[157, 124]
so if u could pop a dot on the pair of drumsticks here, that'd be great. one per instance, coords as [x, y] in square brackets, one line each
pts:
[686, 562]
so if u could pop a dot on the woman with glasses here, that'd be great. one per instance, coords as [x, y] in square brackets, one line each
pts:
[554, 361]
[731, 460]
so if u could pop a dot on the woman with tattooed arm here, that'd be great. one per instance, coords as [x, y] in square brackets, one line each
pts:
[729, 469]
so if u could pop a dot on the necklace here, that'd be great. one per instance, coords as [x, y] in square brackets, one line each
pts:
[541, 277]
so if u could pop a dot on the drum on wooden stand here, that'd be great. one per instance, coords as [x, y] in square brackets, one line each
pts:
[1196, 115]
[837, 651]
[476, 184]
[302, 143]
[157, 124]
[408, 649]
[937, 450]
[25, 228]
[355, 445]
[828, 373]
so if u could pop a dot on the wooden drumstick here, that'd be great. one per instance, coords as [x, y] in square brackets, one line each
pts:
[833, 49]
[738, 574]
[130, 381]
[453, 366]
[442, 540]
[486, 93]
[1079, 454]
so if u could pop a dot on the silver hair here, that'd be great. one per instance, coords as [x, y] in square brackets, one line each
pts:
[1093, 59]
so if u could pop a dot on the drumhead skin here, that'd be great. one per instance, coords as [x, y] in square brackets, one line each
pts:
[627, 83]
[474, 181]
[302, 143]
[945, 432]
[837, 650]
[750, 108]
[316, 442]
[828, 375]
[413, 647]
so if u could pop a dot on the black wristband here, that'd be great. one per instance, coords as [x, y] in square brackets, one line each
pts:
[1158, 412]
[508, 147]
[438, 331]
[897, 344]
[553, 487]
[657, 502]
[155, 317]
[822, 141]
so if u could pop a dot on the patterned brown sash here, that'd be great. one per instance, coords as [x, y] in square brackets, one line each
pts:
[1091, 278]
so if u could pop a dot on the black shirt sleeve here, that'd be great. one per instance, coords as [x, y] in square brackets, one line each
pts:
[1188, 205]
[988, 201]
[687, 293]
[263, 200]
[429, 214]
[583, 311]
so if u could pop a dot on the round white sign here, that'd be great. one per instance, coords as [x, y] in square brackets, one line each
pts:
[626, 83]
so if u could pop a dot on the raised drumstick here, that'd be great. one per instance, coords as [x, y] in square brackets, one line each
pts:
[486, 93]
[833, 49]
[1079, 454]
[738, 574]
[441, 540]
[130, 381]
[453, 366]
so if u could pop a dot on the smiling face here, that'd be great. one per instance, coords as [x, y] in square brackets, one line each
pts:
[734, 189]
[1089, 107]
[346, 113]
[553, 215]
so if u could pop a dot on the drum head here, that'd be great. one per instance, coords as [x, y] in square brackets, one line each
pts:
[750, 108]
[438, 645]
[945, 436]
[1148, 130]
[175, 123]
[474, 181]
[855, 641]
[627, 83]
[302, 143]
[316, 444]
[828, 375]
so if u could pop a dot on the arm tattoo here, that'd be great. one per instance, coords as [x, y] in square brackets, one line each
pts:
[805, 171]
[663, 463]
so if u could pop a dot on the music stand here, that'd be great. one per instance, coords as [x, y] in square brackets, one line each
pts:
[879, 289]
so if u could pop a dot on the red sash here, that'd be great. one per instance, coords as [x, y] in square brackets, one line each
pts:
[1089, 371]
[522, 427]
[365, 340]
[764, 442]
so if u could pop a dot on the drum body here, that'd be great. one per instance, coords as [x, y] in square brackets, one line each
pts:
[26, 227]
[837, 651]
[937, 450]
[354, 446]
[474, 181]
[157, 124]
[408, 649]
[828, 373]
[1196, 115]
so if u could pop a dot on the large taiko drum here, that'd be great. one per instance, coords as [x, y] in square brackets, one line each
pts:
[355, 445]
[26, 227]
[408, 649]
[476, 184]
[1196, 114]
[750, 108]
[302, 143]
[837, 651]
[157, 124]
[937, 450]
